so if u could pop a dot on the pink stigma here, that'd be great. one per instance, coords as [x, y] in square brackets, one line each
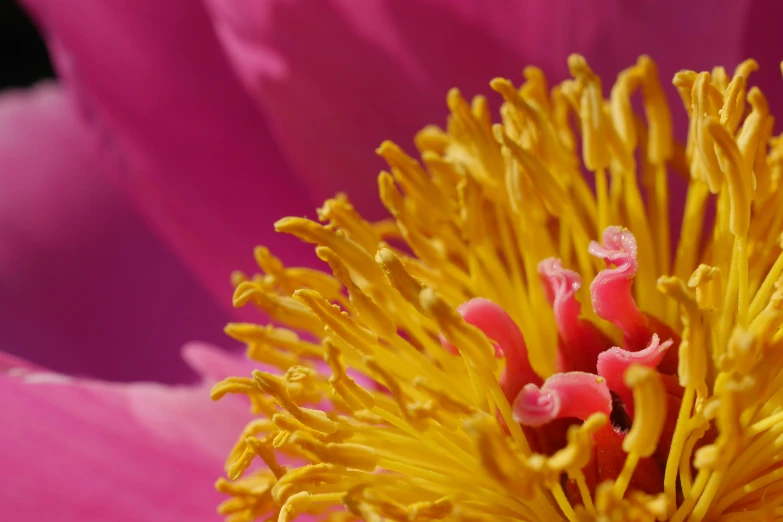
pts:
[499, 327]
[580, 341]
[563, 395]
[560, 286]
[613, 363]
[611, 288]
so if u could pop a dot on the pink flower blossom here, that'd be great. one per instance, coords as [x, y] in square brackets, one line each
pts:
[177, 134]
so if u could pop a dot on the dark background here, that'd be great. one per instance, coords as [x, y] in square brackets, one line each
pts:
[23, 57]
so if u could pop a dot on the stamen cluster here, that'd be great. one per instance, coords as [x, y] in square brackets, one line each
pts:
[447, 370]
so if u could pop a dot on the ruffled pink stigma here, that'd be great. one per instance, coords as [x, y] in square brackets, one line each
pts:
[612, 298]
[580, 341]
[500, 328]
[611, 288]
[575, 395]
[560, 286]
[613, 363]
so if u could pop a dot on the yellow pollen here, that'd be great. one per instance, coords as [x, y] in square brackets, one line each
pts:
[363, 411]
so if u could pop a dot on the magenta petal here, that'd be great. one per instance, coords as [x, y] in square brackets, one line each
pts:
[761, 20]
[563, 395]
[382, 71]
[383, 67]
[197, 155]
[85, 450]
[87, 288]
[14, 364]
[613, 363]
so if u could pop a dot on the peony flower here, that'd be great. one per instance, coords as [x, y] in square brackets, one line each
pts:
[215, 118]
[519, 345]
[452, 420]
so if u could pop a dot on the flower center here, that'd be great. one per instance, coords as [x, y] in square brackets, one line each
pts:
[660, 400]
[590, 370]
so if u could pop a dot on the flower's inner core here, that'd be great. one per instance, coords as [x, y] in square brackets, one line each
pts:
[589, 373]
[514, 343]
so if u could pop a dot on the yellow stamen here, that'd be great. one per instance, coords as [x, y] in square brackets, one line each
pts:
[649, 397]
[394, 426]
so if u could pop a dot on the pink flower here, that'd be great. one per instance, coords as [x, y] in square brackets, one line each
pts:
[179, 132]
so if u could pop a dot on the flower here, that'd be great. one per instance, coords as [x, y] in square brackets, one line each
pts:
[192, 112]
[470, 374]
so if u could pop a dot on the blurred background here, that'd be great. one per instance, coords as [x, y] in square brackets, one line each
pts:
[86, 285]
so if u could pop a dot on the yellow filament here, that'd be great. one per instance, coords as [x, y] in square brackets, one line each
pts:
[649, 396]
[691, 231]
[661, 219]
[678, 442]
[766, 288]
[650, 403]
[624, 478]
[602, 195]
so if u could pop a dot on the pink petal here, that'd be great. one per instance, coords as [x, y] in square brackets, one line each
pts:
[215, 364]
[498, 326]
[14, 364]
[563, 395]
[580, 340]
[382, 67]
[197, 156]
[86, 450]
[87, 288]
[613, 363]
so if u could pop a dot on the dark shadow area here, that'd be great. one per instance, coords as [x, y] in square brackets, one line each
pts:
[23, 56]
